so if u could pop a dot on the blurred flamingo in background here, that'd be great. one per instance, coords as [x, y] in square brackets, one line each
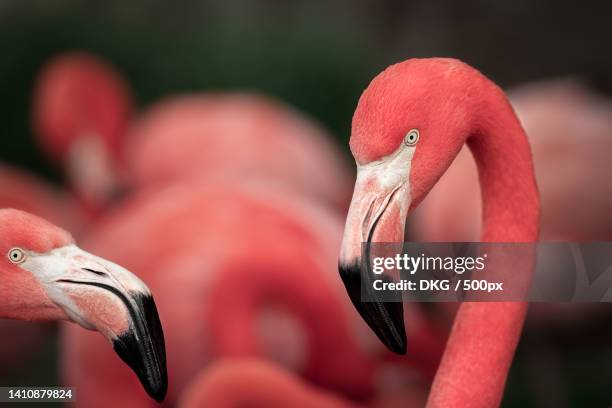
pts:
[46, 277]
[236, 136]
[254, 383]
[409, 125]
[26, 192]
[81, 110]
[259, 383]
[219, 259]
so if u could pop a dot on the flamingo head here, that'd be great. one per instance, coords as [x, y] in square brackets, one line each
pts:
[409, 125]
[81, 112]
[45, 276]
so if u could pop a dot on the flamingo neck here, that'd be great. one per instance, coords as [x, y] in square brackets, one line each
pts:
[505, 169]
[484, 336]
[333, 359]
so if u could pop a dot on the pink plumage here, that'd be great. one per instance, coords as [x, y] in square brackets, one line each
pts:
[255, 383]
[79, 94]
[26, 192]
[277, 250]
[570, 131]
[235, 136]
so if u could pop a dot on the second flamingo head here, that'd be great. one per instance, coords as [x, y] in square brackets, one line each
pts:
[45, 276]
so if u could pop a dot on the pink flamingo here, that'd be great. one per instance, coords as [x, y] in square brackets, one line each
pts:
[409, 125]
[47, 277]
[81, 111]
[232, 136]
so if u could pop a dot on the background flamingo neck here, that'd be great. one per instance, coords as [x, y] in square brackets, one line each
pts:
[503, 156]
[333, 358]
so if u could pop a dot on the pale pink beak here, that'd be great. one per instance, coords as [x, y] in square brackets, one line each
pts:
[377, 214]
[100, 295]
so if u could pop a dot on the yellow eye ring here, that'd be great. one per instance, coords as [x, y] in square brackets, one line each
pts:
[16, 255]
[412, 137]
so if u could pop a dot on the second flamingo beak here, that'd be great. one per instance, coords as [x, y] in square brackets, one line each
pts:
[377, 214]
[103, 296]
[92, 170]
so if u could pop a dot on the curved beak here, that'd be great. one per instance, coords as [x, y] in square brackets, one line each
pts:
[377, 214]
[103, 296]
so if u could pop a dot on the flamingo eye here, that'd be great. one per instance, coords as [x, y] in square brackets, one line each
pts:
[16, 255]
[412, 137]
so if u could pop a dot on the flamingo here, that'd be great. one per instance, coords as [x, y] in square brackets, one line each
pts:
[81, 111]
[409, 124]
[235, 136]
[46, 277]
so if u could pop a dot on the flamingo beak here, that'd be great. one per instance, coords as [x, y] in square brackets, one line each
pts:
[100, 295]
[377, 214]
[91, 169]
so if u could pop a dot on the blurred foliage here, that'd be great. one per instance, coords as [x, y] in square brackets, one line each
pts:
[318, 56]
[313, 63]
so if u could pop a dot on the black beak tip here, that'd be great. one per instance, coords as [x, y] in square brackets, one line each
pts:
[400, 347]
[157, 389]
[142, 348]
[385, 318]
[159, 393]
[153, 379]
